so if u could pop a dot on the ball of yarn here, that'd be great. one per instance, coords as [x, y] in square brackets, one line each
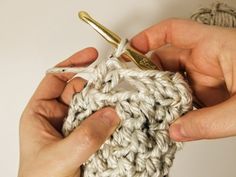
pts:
[219, 14]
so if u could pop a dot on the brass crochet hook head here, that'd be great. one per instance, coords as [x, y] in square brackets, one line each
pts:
[138, 58]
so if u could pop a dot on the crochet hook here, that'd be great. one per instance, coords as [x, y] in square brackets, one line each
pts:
[138, 58]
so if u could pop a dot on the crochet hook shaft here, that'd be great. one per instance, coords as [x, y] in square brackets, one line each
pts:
[138, 58]
[111, 37]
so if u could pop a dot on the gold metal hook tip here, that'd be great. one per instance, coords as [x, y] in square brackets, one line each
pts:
[139, 59]
[107, 34]
[83, 15]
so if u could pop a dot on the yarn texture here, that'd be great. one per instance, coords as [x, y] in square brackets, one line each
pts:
[141, 145]
[147, 103]
[220, 14]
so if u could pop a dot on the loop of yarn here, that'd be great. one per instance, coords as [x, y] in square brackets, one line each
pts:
[147, 103]
[141, 145]
[121, 48]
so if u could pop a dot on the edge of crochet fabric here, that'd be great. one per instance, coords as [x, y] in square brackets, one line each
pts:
[141, 145]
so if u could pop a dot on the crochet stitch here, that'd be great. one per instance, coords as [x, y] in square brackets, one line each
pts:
[141, 145]
[147, 103]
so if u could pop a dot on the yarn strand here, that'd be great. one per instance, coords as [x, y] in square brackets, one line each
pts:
[147, 103]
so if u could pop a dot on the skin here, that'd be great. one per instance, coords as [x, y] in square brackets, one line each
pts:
[43, 150]
[205, 53]
[208, 55]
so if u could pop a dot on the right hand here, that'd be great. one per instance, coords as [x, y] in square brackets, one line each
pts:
[208, 55]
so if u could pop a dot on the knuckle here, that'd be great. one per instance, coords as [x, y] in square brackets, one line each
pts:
[171, 22]
[170, 27]
[43, 108]
[173, 26]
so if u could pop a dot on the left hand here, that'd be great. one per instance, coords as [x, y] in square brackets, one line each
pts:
[43, 150]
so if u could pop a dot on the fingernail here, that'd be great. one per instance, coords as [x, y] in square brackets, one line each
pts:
[110, 117]
[177, 132]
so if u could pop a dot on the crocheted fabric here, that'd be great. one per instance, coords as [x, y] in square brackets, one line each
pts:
[147, 103]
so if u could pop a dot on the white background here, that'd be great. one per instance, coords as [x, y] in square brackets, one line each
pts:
[35, 35]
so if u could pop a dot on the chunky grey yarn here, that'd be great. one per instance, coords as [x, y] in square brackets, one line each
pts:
[147, 103]
[141, 146]
[219, 14]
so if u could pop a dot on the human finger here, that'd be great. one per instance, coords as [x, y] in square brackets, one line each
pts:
[177, 32]
[74, 86]
[208, 123]
[171, 58]
[89, 136]
[53, 85]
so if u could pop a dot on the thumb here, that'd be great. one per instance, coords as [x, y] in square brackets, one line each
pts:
[208, 123]
[88, 137]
